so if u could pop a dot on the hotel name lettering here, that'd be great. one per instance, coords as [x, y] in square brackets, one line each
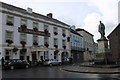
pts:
[31, 31]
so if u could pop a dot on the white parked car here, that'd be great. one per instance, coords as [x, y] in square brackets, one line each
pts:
[52, 62]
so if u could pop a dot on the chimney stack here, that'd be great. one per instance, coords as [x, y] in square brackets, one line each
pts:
[49, 15]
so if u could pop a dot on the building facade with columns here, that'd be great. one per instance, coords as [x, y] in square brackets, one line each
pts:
[31, 36]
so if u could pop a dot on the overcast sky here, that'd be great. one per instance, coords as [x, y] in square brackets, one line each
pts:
[84, 14]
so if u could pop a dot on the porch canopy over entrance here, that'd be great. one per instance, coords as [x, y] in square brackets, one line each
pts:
[39, 48]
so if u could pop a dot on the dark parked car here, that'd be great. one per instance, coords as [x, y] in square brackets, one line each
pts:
[15, 63]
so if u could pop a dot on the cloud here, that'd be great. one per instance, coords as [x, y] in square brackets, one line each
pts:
[37, 1]
[109, 9]
[91, 24]
[108, 15]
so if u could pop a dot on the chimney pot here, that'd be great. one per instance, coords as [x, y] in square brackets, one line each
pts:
[29, 10]
[49, 15]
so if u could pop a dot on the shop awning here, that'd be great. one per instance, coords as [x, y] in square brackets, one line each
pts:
[39, 48]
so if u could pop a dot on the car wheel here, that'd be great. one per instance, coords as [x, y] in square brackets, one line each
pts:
[26, 66]
[11, 67]
[50, 64]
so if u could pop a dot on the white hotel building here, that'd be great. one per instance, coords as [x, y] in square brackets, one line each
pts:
[31, 36]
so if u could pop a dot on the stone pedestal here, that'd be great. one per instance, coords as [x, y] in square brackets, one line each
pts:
[102, 48]
[102, 45]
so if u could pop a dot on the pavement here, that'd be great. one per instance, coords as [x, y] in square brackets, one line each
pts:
[85, 68]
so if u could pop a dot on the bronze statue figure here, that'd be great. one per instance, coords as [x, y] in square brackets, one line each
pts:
[102, 30]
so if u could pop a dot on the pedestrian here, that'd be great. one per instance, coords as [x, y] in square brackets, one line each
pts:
[29, 62]
[2, 62]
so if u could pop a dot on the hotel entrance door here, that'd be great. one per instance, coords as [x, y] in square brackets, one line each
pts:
[34, 57]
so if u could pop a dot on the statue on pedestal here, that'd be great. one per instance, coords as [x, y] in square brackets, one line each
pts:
[102, 44]
[102, 30]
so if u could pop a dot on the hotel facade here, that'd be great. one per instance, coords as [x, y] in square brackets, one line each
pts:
[31, 36]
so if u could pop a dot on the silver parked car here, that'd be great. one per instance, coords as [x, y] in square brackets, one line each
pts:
[52, 62]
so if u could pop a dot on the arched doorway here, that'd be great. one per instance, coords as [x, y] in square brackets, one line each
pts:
[64, 56]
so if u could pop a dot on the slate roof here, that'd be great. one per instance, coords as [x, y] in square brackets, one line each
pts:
[14, 8]
[115, 30]
[79, 29]
[75, 32]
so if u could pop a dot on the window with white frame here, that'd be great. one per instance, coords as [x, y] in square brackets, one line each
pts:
[63, 31]
[23, 37]
[46, 28]
[7, 54]
[55, 29]
[73, 40]
[10, 20]
[9, 35]
[64, 42]
[35, 38]
[55, 41]
[35, 25]
[24, 22]
[46, 40]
